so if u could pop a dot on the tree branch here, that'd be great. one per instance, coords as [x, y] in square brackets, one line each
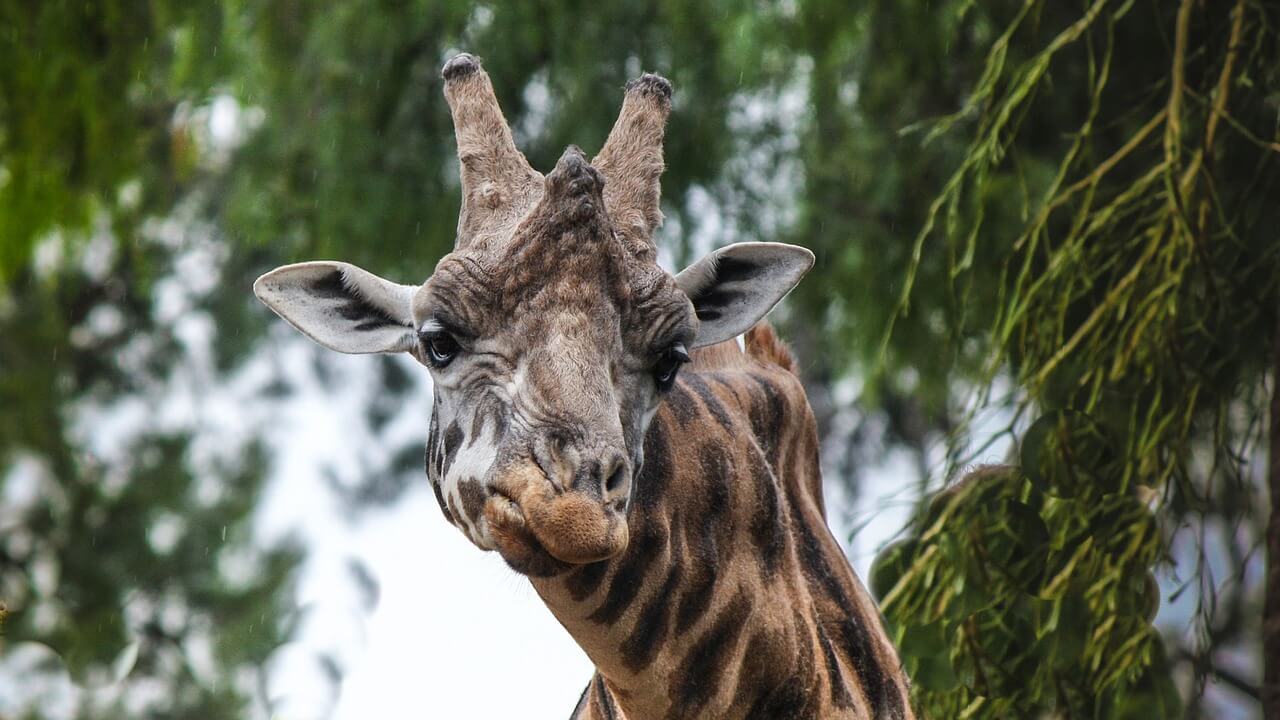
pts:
[1271, 607]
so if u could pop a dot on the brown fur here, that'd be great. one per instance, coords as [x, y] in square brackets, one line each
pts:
[788, 651]
[722, 593]
[671, 518]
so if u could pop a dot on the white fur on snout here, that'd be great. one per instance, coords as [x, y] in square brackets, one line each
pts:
[472, 463]
[515, 384]
[648, 415]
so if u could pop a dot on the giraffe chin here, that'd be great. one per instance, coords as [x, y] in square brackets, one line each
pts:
[541, 531]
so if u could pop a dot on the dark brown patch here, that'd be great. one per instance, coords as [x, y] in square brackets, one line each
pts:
[454, 511]
[851, 629]
[709, 399]
[768, 525]
[435, 487]
[768, 659]
[489, 409]
[840, 696]
[477, 427]
[698, 678]
[787, 701]
[433, 446]
[501, 423]
[586, 579]
[767, 414]
[682, 403]
[473, 497]
[704, 546]
[641, 646]
[651, 483]
[452, 441]
[779, 683]
[629, 577]
[604, 700]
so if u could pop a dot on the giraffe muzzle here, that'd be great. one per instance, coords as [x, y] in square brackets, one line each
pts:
[527, 515]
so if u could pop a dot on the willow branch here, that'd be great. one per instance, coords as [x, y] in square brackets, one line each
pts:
[1221, 94]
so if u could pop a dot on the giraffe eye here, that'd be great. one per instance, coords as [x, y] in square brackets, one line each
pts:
[441, 347]
[664, 372]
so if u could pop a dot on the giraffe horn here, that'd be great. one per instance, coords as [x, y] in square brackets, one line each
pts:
[631, 162]
[498, 184]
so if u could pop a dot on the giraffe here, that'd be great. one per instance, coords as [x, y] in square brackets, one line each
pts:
[597, 424]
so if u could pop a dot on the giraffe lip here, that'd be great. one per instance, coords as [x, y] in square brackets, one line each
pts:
[538, 528]
[506, 501]
[515, 540]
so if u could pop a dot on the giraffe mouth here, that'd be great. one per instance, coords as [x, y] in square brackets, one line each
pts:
[515, 542]
[542, 530]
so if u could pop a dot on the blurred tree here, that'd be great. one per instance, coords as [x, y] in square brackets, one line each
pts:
[119, 563]
[356, 151]
[136, 566]
[89, 105]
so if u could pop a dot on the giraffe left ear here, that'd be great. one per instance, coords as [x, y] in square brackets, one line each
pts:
[341, 307]
[735, 286]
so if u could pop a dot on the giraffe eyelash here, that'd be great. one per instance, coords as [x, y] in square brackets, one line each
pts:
[668, 365]
[440, 346]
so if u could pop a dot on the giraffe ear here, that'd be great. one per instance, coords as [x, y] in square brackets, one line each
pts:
[341, 307]
[735, 286]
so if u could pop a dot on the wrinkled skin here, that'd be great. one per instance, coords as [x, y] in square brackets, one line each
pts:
[539, 418]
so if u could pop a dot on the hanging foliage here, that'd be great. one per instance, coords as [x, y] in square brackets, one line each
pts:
[1134, 313]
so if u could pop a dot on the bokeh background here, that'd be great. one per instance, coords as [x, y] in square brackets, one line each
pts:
[1046, 235]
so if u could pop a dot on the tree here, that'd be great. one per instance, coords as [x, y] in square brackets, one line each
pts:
[1108, 233]
[113, 560]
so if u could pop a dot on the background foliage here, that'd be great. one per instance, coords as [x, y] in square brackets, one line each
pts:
[1047, 222]
[1132, 303]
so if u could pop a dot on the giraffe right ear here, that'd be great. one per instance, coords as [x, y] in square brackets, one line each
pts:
[341, 307]
[735, 286]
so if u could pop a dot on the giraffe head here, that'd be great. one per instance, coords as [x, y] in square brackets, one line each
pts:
[550, 331]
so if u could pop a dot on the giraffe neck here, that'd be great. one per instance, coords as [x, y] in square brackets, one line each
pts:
[709, 611]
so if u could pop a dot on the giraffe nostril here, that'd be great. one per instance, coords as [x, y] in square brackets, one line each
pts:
[617, 479]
